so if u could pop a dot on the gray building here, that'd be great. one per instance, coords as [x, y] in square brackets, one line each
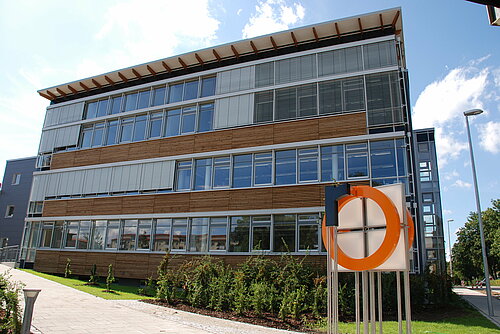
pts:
[14, 198]
[429, 200]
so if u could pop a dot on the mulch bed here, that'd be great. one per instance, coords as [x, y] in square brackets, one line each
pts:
[266, 319]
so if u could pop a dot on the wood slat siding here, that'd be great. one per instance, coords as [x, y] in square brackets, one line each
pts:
[258, 135]
[132, 265]
[216, 200]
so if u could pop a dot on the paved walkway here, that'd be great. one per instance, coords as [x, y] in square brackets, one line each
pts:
[480, 302]
[61, 309]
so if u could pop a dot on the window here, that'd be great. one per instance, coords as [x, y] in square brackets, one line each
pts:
[308, 164]
[188, 119]
[357, 160]
[207, 87]
[428, 208]
[423, 147]
[190, 90]
[71, 234]
[35, 208]
[129, 235]
[143, 99]
[296, 69]
[173, 122]
[162, 235]
[330, 97]
[144, 234]
[86, 138]
[284, 233]
[218, 232]
[98, 134]
[264, 74]
[46, 234]
[98, 234]
[263, 107]
[286, 103]
[340, 61]
[353, 94]
[203, 174]
[102, 108]
[57, 235]
[306, 99]
[83, 235]
[427, 197]
[239, 234]
[383, 158]
[131, 101]
[179, 233]
[175, 93]
[222, 168]
[126, 129]
[242, 171]
[16, 178]
[308, 229]
[198, 237]
[91, 111]
[9, 213]
[184, 175]
[111, 133]
[286, 167]
[140, 127]
[205, 119]
[158, 96]
[116, 103]
[425, 171]
[112, 234]
[155, 125]
[401, 156]
[332, 163]
[383, 98]
[380, 54]
[263, 168]
[261, 233]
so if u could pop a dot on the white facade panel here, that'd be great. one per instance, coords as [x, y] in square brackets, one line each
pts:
[167, 169]
[66, 114]
[236, 80]
[38, 187]
[221, 113]
[234, 111]
[52, 184]
[47, 141]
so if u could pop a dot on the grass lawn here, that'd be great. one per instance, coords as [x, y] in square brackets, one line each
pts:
[120, 291]
[495, 282]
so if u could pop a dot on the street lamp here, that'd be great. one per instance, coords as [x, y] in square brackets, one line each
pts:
[474, 112]
[449, 247]
[29, 301]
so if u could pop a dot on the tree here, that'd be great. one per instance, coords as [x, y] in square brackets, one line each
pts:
[467, 256]
[110, 279]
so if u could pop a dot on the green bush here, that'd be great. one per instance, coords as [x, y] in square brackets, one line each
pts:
[10, 315]
[110, 279]
[67, 269]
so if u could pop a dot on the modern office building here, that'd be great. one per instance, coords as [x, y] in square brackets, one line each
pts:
[222, 151]
[429, 200]
[14, 198]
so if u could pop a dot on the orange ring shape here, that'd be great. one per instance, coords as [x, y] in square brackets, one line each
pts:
[392, 233]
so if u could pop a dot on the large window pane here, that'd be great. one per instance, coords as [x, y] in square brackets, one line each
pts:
[295, 69]
[208, 86]
[143, 99]
[156, 124]
[57, 235]
[188, 119]
[380, 54]
[203, 174]
[306, 96]
[401, 156]
[332, 163]
[286, 167]
[91, 111]
[173, 122]
[222, 168]
[175, 93]
[131, 102]
[330, 97]
[179, 234]
[284, 233]
[158, 96]
[162, 235]
[308, 232]
[354, 95]
[264, 107]
[184, 175]
[144, 234]
[286, 103]
[239, 235]
[263, 168]
[218, 232]
[46, 234]
[264, 74]
[205, 121]
[102, 109]
[140, 127]
[242, 171]
[111, 133]
[86, 138]
[71, 234]
[84, 235]
[357, 160]
[340, 61]
[190, 90]
[116, 104]
[308, 164]
[98, 134]
[261, 233]
[198, 237]
[126, 130]
[379, 99]
[129, 235]
[383, 159]
[98, 234]
[112, 234]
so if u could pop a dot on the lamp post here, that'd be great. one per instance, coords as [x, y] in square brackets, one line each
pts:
[449, 247]
[29, 301]
[474, 112]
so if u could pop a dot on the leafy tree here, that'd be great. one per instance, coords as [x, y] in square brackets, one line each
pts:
[467, 256]
[110, 279]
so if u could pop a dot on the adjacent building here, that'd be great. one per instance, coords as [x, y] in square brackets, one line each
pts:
[222, 151]
[14, 198]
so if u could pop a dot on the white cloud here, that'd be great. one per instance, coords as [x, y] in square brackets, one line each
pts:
[461, 184]
[489, 135]
[271, 16]
[447, 212]
[239, 12]
[451, 175]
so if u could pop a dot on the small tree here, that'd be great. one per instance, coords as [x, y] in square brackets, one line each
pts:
[93, 275]
[67, 270]
[110, 279]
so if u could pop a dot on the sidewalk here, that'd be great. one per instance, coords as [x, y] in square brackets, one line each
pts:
[61, 309]
[480, 302]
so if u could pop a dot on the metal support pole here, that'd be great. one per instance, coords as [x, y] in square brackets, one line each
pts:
[356, 292]
[329, 282]
[335, 282]
[480, 221]
[398, 291]
[379, 299]
[372, 301]
[29, 301]
[449, 248]
[364, 276]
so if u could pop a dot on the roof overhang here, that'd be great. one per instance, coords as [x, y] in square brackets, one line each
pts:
[390, 18]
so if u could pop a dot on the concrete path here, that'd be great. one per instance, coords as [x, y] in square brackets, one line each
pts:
[480, 302]
[61, 309]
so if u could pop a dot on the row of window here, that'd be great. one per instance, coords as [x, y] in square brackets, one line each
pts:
[198, 118]
[239, 234]
[379, 159]
[155, 96]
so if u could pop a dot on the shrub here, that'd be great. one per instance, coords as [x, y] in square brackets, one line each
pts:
[93, 276]
[10, 314]
[110, 278]
[67, 269]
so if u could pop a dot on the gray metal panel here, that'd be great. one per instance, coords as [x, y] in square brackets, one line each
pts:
[103, 180]
[167, 174]
[38, 188]
[134, 177]
[52, 184]
[148, 174]
[67, 136]
[223, 82]
[116, 178]
[51, 117]
[234, 111]
[47, 141]
[245, 110]
[247, 78]
[76, 182]
[221, 113]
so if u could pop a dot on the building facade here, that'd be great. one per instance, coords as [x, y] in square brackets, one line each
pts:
[223, 151]
[14, 198]
[429, 200]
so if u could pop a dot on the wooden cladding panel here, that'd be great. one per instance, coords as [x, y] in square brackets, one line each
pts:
[250, 136]
[203, 201]
[135, 265]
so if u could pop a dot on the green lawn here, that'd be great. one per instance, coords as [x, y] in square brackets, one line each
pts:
[495, 282]
[120, 291]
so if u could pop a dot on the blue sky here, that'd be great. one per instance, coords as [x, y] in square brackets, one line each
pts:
[452, 57]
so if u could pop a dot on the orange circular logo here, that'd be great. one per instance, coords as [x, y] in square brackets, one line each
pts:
[392, 234]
